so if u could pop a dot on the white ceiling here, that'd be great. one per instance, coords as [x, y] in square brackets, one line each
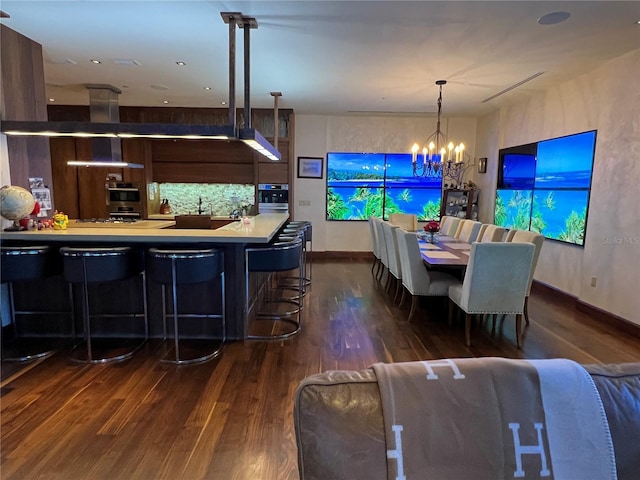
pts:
[324, 56]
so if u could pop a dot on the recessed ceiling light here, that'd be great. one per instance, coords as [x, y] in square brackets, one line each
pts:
[93, 60]
[207, 88]
[52, 99]
[553, 18]
[182, 64]
[165, 101]
[223, 103]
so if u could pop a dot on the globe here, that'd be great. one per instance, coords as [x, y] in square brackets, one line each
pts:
[15, 202]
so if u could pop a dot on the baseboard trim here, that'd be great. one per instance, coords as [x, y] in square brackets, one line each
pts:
[595, 313]
[323, 256]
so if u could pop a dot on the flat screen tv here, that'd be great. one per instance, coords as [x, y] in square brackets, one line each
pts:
[363, 184]
[545, 187]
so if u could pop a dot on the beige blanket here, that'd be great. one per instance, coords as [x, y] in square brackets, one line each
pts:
[493, 418]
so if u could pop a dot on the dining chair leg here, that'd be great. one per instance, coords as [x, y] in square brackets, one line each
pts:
[526, 310]
[519, 330]
[398, 287]
[494, 317]
[414, 303]
[387, 285]
[467, 328]
[374, 264]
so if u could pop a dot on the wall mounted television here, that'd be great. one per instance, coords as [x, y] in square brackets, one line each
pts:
[545, 186]
[363, 184]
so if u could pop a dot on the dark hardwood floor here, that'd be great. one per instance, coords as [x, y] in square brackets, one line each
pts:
[231, 418]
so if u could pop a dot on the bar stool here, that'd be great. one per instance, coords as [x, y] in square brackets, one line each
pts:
[308, 244]
[96, 267]
[283, 255]
[27, 264]
[175, 268]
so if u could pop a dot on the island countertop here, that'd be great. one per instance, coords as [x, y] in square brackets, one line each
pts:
[260, 229]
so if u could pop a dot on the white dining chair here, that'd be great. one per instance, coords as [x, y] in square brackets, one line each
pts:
[395, 270]
[374, 243]
[537, 239]
[416, 279]
[449, 225]
[490, 233]
[495, 282]
[468, 230]
[407, 221]
[382, 249]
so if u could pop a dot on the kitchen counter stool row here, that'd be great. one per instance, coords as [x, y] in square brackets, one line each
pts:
[107, 289]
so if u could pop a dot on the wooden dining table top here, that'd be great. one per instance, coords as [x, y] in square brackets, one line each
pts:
[447, 251]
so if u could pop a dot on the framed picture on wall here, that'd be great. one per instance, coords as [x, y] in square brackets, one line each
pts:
[310, 167]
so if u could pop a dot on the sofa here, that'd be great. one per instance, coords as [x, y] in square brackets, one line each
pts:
[340, 431]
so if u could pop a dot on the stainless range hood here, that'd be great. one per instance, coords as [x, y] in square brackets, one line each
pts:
[107, 131]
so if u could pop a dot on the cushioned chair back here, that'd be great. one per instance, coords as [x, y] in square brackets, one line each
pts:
[468, 231]
[28, 263]
[490, 233]
[382, 243]
[406, 221]
[392, 249]
[449, 225]
[415, 276]
[519, 236]
[278, 257]
[497, 277]
[374, 237]
[192, 266]
[102, 264]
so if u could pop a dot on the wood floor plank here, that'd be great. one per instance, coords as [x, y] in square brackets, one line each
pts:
[231, 418]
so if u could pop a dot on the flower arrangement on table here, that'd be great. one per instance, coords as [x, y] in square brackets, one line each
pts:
[432, 229]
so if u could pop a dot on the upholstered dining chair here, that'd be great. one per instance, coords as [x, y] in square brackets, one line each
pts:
[490, 233]
[468, 230]
[495, 282]
[537, 239]
[382, 249]
[395, 271]
[416, 279]
[407, 221]
[374, 242]
[449, 225]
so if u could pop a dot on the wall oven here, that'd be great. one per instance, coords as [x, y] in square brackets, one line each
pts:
[124, 200]
[273, 198]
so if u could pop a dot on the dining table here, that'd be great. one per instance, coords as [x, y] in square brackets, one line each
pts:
[444, 252]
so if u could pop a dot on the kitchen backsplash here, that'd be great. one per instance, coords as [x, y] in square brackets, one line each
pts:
[217, 199]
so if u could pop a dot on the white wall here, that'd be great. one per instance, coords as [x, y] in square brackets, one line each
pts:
[607, 99]
[315, 135]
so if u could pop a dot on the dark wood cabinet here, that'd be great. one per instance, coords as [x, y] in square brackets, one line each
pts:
[460, 203]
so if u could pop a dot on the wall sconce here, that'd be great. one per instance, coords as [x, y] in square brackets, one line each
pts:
[482, 165]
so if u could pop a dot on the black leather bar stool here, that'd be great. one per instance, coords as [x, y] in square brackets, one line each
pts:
[93, 268]
[308, 245]
[28, 264]
[283, 255]
[184, 268]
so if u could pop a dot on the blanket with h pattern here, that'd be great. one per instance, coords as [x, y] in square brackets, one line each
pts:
[493, 418]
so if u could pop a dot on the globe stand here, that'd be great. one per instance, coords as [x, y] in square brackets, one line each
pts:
[16, 227]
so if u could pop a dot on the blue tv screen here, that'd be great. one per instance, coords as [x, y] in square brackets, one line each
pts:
[363, 184]
[551, 180]
[566, 162]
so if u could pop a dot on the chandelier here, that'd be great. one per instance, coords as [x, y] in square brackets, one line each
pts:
[440, 158]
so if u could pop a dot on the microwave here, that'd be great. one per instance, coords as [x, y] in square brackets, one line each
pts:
[124, 197]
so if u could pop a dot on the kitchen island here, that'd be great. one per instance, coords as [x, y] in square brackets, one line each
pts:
[232, 238]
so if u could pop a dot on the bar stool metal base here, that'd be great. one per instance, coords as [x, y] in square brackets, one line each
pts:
[175, 268]
[280, 257]
[106, 350]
